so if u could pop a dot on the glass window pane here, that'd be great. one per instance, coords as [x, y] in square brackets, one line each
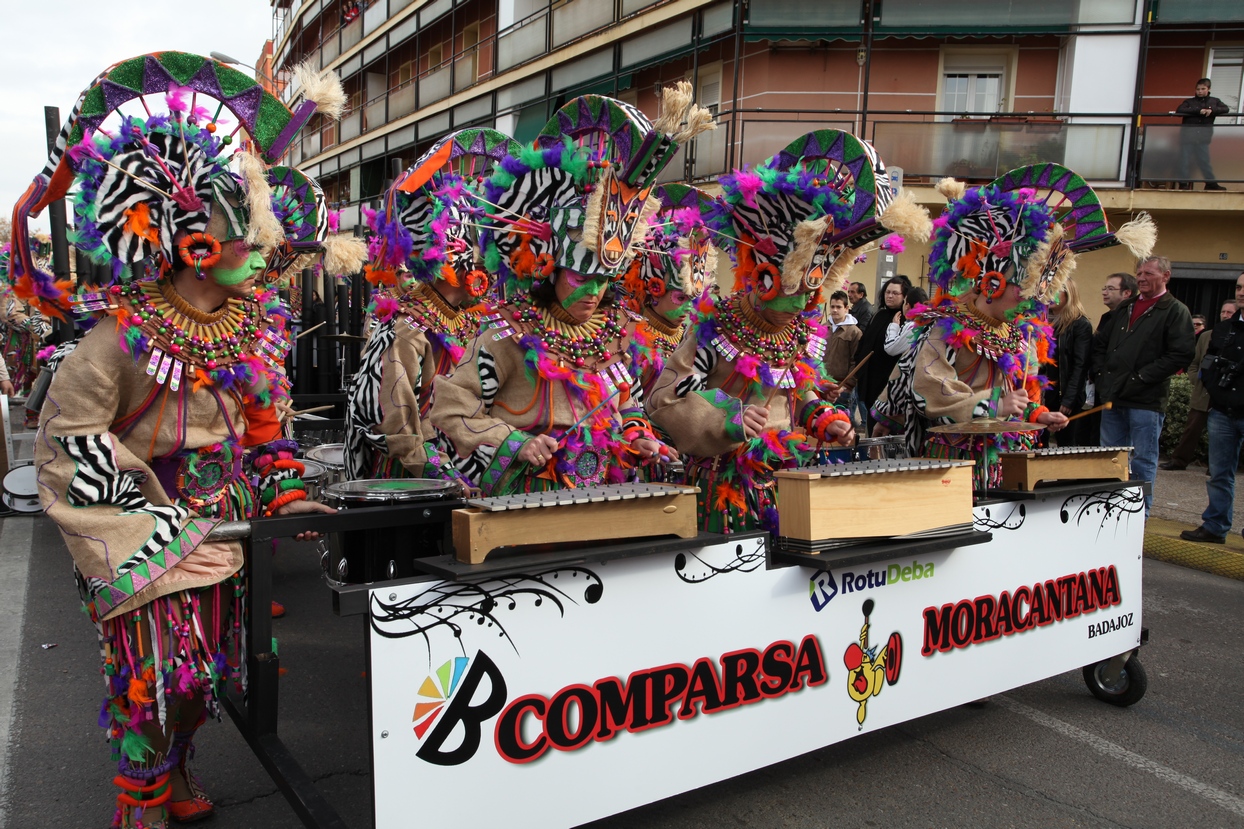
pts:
[1200, 11]
[578, 17]
[655, 42]
[786, 13]
[987, 14]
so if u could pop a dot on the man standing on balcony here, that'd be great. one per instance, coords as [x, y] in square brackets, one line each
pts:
[1198, 116]
[1147, 339]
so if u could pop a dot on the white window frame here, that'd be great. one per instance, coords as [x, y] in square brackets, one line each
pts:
[967, 60]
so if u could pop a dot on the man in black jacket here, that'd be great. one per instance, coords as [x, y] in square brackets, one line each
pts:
[1222, 373]
[861, 309]
[1198, 117]
[1147, 339]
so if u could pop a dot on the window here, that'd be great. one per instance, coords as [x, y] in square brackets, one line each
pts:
[434, 55]
[976, 82]
[975, 92]
[1226, 74]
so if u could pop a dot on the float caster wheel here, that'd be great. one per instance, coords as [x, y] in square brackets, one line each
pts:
[1119, 681]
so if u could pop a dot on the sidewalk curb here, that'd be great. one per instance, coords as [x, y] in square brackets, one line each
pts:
[1210, 558]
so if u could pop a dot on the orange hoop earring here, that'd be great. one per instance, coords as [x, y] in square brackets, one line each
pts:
[992, 285]
[199, 250]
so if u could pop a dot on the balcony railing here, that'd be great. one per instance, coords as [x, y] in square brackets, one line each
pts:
[1183, 154]
[973, 149]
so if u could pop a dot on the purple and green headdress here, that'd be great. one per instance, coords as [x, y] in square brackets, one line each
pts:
[298, 203]
[1008, 232]
[143, 178]
[428, 224]
[678, 252]
[580, 197]
[797, 219]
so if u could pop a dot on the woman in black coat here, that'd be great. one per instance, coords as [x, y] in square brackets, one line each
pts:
[1072, 354]
[873, 376]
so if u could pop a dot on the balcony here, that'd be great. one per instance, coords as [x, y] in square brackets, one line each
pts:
[983, 149]
[1174, 153]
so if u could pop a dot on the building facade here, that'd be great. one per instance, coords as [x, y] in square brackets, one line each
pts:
[968, 89]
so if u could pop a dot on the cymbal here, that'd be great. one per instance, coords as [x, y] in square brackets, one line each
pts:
[344, 338]
[985, 426]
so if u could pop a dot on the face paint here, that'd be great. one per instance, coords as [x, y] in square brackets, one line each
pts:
[787, 304]
[583, 287]
[254, 263]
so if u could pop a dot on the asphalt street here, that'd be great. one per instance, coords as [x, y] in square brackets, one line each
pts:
[1044, 755]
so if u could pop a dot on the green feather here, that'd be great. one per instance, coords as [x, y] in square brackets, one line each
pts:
[136, 747]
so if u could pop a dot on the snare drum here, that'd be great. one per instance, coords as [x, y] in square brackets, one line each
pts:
[365, 556]
[888, 448]
[21, 490]
[332, 456]
[313, 475]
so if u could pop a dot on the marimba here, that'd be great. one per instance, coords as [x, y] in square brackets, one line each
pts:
[873, 499]
[565, 516]
[1024, 470]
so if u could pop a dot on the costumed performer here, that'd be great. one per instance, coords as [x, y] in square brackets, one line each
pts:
[24, 328]
[677, 263]
[548, 395]
[166, 419]
[1000, 254]
[430, 267]
[741, 396]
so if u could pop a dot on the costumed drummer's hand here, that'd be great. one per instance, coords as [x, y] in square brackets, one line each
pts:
[755, 418]
[647, 448]
[1012, 404]
[6, 388]
[880, 430]
[831, 393]
[538, 450]
[1052, 421]
[842, 431]
[305, 506]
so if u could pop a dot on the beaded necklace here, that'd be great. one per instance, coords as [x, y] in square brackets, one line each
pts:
[580, 342]
[743, 326]
[667, 335]
[182, 339]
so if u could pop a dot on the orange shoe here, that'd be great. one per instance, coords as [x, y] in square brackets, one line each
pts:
[278, 610]
[189, 811]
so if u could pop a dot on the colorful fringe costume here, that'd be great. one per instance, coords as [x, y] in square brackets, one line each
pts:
[577, 201]
[164, 420]
[791, 225]
[964, 360]
[428, 240]
[22, 328]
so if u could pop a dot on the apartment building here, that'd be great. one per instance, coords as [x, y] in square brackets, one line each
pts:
[968, 89]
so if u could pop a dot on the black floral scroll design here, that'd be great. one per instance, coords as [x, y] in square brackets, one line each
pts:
[990, 520]
[455, 605]
[692, 568]
[1108, 505]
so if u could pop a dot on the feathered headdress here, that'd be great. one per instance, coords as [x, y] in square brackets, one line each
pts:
[1007, 232]
[299, 206]
[146, 179]
[796, 220]
[580, 197]
[428, 224]
[678, 252]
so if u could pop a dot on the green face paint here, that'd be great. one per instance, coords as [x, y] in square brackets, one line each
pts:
[583, 287]
[677, 313]
[236, 276]
[786, 304]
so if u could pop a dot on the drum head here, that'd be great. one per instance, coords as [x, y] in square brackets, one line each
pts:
[372, 491]
[313, 471]
[22, 483]
[332, 455]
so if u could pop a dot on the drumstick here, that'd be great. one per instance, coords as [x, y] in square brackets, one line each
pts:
[313, 411]
[309, 330]
[1103, 407]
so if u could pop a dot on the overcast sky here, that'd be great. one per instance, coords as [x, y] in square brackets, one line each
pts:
[54, 48]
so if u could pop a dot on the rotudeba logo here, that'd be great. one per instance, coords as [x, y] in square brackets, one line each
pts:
[822, 588]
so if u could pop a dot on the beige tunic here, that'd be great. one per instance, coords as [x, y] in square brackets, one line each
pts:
[128, 539]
